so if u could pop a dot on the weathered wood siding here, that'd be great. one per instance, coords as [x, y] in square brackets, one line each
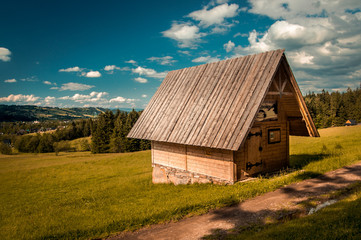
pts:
[274, 156]
[211, 162]
[168, 154]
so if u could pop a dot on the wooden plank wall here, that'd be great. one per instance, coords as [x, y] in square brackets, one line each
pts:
[211, 162]
[274, 156]
[168, 154]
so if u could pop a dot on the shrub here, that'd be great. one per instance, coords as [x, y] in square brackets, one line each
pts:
[5, 148]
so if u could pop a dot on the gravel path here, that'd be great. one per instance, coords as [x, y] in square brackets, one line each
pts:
[272, 204]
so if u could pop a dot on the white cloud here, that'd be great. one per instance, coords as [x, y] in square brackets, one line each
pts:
[167, 60]
[93, 74]
[186, 34]
[111, 68]
[49, 100]
[141, 80]
[215, 15]
[184, 52]
[321, 38]
[71, 86]
[5, 54]
[93, 97]
[240, 35]
[30, 79]
[125, 69]
[144, 95]
[13, 80]
[206, 59]
[229, 46]
[149, 72]
[122, 100]
[131, 61]
[49, 83]
[72, 69]
[19, 98]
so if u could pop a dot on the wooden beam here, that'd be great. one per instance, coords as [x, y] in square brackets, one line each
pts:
[280, 93]
[304, 111]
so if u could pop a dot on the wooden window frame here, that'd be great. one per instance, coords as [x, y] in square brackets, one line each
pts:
[273, 130]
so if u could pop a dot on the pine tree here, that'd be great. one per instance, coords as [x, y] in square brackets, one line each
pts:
[104, 129]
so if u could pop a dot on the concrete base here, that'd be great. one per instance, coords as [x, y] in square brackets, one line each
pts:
[164, 174]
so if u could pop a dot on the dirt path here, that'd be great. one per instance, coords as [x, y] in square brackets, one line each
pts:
[271, 204]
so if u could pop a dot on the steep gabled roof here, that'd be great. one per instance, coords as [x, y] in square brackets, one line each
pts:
[211, 105]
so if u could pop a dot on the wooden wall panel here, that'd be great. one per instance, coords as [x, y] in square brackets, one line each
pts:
[203, 162]
[171, 155]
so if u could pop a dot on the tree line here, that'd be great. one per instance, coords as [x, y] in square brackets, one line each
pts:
[109, 130]
[335, 108]
[108, 134]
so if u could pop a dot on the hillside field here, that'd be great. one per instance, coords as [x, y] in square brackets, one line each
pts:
[82, 195]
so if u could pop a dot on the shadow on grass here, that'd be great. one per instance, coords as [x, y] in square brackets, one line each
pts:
[299, 161]
[254, 216]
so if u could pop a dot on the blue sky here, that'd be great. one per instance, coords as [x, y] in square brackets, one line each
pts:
[116, 53]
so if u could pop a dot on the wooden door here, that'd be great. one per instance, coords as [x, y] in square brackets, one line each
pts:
[253, 161]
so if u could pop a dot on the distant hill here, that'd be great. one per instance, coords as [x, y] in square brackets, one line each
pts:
[10, 113]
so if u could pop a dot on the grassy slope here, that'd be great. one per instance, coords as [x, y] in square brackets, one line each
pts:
[339, 221]
[80, 195]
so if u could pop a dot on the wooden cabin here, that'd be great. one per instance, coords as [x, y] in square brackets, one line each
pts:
[224, 121]
[350, 122]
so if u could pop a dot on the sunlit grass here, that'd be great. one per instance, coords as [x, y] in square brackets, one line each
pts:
[81, 195]
[339, 221]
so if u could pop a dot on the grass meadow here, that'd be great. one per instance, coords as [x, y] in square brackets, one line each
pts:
[338, 221]
[81, 195]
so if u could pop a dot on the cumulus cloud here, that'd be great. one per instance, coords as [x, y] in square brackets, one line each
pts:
[216, 15]
[122, 100]
[186, 34]
[141, 80]
[5, 54]
[229, 46]
[93, 74]
[111, 68]
[321, 38]
[49, 83]
[144, 95]
[94, 97]
[72, 86]
[148, 72]
[167, 60]
[71, 69]
[206, 59]
[13, 80]
[49, 100]
[19, 98]
[131, 61]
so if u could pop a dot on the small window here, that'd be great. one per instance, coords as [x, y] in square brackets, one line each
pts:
[274, 135]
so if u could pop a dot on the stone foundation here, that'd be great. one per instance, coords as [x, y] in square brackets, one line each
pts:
[163, 174]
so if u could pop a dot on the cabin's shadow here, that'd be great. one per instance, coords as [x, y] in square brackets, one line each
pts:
[244, 218]
[298, 161]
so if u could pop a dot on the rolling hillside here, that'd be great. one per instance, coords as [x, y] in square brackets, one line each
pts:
[11, 113]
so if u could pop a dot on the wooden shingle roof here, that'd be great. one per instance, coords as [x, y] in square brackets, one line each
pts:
[211, 105]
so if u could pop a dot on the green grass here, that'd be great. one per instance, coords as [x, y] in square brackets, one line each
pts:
[80, 195]
[341, 220]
